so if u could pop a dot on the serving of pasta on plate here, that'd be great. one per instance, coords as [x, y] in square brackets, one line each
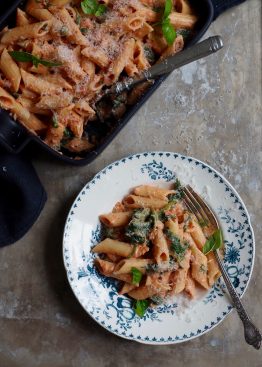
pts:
[156, 247]
[62, 53]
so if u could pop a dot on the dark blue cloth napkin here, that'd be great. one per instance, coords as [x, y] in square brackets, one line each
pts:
[22, 197]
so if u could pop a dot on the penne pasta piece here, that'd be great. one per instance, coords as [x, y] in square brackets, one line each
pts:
[55, 135]
[173, 226]
[134, 202]
[116, 219]
[134, 22]
[31, 107]
[152, 192]
[160, 246]
[184, 21]
[34, 30]
[7, 102]
[73, 33]
[199, 263]
[182, 6]
[105, 267]
[57, 80]
[143, 292]
[37, 84]
[190, 286]
[178, 281]
[109, 246]
[21, 18]
[127, 288]
[77, 145]
[125, 266]
[54, 102]
[10, 70]
[213, 271]
[120, 62]
[96, 56]
[83, 109]
[197, 234]
[177, 46]
[143, 31]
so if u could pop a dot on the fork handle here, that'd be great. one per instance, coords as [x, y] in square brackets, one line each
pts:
[252, 334]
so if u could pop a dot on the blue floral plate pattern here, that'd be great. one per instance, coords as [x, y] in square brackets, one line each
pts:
[179, 320]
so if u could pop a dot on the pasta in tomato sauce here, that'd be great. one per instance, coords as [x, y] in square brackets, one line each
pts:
[156, 251]
[63, 53]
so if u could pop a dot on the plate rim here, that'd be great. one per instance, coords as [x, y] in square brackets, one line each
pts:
[183, 157]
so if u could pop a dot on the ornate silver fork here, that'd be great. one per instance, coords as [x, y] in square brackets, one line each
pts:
[202, 211]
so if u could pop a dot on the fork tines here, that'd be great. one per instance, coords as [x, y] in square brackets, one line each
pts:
[197, 206]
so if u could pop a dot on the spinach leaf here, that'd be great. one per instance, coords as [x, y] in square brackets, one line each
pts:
[176, 245]
[139, 226]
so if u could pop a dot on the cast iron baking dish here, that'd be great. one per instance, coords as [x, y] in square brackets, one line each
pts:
[14, 137]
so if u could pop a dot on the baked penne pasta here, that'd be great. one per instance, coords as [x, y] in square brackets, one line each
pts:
[10, 70]
[34, 30]
[62, 56]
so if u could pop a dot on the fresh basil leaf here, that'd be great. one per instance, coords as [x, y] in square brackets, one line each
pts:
[208, 246]
[100, 10]
[218, 239]
[213, 243]
[140, 307]
[22, 56]
[49, 63]
[89, 6]
[92, 7]
[168, 31]
[136, 275]
[168, 9]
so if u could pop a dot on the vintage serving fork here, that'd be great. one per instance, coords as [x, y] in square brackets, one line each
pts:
[202, 211]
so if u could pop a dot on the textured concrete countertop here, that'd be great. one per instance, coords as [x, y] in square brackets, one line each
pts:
[210, 110]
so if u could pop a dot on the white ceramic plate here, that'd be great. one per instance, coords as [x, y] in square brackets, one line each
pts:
[178, 321]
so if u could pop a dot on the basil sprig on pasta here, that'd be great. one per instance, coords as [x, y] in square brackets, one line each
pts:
[27, 57]
[92, 7]
[168, 30]
[214, 242]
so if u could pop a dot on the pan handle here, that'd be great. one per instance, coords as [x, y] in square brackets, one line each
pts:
[222, 5]
[13, 136]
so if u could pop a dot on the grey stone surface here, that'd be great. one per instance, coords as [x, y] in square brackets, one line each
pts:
[210, 110]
